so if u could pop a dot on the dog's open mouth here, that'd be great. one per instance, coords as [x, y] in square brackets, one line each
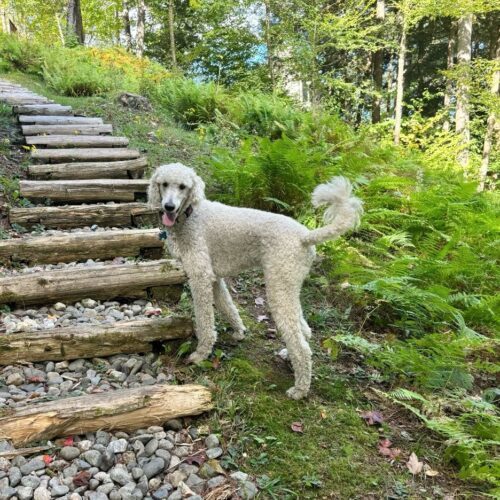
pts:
[168, 218]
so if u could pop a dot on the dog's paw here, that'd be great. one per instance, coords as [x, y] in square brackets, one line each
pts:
[295, 393]
[238, 335]
[195, 358]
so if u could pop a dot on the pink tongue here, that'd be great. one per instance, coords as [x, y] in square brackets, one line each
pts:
[168, 219]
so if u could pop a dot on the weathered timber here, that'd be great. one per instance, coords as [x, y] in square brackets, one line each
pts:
[123, 409]
[100, 282]
[89, 341]
[117, 215]
[70, 247]
[75, 129]
[59, 120]
[43, 109]
[85, 154]
[84, 190]
[76, 141]
[127, 169]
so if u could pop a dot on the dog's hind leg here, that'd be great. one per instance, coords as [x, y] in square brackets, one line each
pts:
[225, 305]
[306, 329]
[284, 302]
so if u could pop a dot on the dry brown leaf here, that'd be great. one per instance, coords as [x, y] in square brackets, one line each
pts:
[297, 427]
[414, 465]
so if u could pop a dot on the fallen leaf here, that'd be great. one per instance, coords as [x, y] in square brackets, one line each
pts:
[322, 414]
[152, 312]
[372, 417]
[47, 459]
[259, 301]
[384, 448]
[82, 478]
[262, 318]
[431, 473]
[297, 427]
[69, 441]
[35, 380]
[414, 465]
[198, 458]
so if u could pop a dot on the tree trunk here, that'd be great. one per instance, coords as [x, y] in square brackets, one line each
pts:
[400, 83]
[141, 21]
[449, 66]
[269, 46]
[171, 32]
[123, 409]
[127, 33]
[75, 22]
[377, 61]
[491, 123]
[464, 56]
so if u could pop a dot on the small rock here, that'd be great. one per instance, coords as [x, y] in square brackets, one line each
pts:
[215, 482]
[153, 467]
[59, 306]
[118, 446]
[176, 477]
[24, 492]
[176, 495]
[174, 424]
[53, 378]
[239, 476]
[120, 475]
[89, 303]
[212, 441]
[59, 490]
[248, 490]
[42, 493]
[15, 379]
[151, 447]
[194, 480]
[15, 476]
[93, 457]
[30, 481]
[101, 437]
[69, 453]
[163, 492]
[214, 452]
[7, 492]
[32, 466]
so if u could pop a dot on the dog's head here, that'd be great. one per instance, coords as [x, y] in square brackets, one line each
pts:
[175, 189]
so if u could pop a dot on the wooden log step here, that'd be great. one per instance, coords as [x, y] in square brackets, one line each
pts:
[112, 215]
[84, 190]
[127, 169]
[123, 409]
[20, 100]
[43, 109]
[75, 129]
[76, 141]
[90, 341]
[85, 154]
[59, 120]
[70, 247]
[105, 281]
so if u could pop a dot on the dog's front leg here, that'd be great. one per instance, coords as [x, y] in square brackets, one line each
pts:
[201, 284]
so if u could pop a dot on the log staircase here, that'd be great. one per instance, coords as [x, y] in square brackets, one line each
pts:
[91, 178]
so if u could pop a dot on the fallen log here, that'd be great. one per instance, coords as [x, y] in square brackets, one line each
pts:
[76, 141]
[85, 154]
[75, 129]
[123, 409]
[59, 120]
[84, 190]
[90, 341]
[108, 281]
[104, 215]
[43, 109]
[127, 169]
[71, 247]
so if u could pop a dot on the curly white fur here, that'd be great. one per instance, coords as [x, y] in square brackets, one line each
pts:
[216, 241]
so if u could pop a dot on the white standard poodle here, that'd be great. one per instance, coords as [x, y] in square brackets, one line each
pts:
[214, 241]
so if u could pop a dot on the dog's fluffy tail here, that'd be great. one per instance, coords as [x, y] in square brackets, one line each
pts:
[343, 212]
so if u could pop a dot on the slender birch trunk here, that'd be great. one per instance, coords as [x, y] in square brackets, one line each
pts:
[171, 30]
[400, 83]
[449, 66]
[378, 59]
[141, 21]
[464, 56]
[490, 127]
[269, 46]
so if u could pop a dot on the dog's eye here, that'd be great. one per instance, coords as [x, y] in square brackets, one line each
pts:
[165, 184]
[182, 186]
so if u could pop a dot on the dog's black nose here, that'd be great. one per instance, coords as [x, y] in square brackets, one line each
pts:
[169, 207]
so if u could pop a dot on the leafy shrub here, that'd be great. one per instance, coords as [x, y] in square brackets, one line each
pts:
[273, 175]
[190, 103]
[19, 54]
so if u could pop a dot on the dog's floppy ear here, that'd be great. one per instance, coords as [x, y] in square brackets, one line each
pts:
[197, 193]
[154, 197]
